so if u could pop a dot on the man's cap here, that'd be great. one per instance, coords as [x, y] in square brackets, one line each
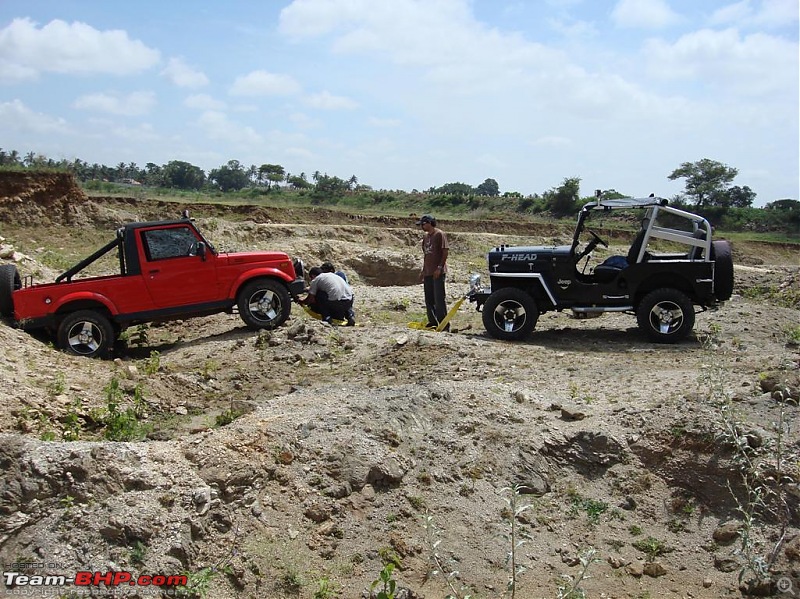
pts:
[426, 218]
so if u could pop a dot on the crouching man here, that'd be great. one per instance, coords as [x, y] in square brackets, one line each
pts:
[330, 296]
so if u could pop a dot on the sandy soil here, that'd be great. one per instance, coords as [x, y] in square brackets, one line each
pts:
[351, 447]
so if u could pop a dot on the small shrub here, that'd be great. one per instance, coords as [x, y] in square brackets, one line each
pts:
[58, 386]
[138, 552]
[385, 583]
[153, 363]
[227, 417]
[72, 423]
[325, 589]
[652, 548]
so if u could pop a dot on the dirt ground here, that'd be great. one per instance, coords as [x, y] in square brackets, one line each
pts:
[297, 462]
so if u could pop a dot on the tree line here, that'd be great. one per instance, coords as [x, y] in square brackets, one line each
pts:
[709, 189]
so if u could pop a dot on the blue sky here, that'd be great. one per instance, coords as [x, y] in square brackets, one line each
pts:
[409, 94]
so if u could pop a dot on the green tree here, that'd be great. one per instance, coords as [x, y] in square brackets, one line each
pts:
[299, 181]
[453, 189]
[153, 174]
[229, 177]
[272, 173]
[707, 181]
[734, 197]
[328, 189]
[564, 199]
[785, 204]
[488, 188]
[182, 175]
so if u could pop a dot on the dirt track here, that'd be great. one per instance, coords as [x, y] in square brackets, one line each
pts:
[350, 436]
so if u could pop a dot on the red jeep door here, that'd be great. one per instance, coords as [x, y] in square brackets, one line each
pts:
[172, 269]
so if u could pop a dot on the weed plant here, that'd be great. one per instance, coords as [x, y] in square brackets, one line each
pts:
[515, 536]
[571, 587]
[438, 565]
[765, 475]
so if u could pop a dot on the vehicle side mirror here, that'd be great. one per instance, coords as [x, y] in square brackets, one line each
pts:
[201, 250]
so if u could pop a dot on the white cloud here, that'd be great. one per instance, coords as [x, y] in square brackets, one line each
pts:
[732, 13]
[768, 13]
[203, 102]
[327, 101]
[752, 65]
[182, 75]
[61, 47]
[219, 127]
[578, 30]
[262, 83]
[144, 132]
[303, 121]
[647, 14]
[439, 39]
[133, 104]
[16, 116]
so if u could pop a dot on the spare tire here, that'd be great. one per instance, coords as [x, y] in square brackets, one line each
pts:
[723, 269]
[9, 282]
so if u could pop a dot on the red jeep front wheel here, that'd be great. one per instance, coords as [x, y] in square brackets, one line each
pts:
[264, 304]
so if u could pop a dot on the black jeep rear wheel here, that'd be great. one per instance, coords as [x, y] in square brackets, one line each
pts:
[9, 282]
[723, 269]
[510, 314]
[666, 315]
[264, 304]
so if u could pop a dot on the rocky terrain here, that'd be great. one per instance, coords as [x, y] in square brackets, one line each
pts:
[299, 462]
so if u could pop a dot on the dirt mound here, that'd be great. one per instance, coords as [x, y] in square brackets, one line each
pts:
[30, 198]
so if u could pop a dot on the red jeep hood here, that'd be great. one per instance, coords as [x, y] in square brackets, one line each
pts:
[254, 257]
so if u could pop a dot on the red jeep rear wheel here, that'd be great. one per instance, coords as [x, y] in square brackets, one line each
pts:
[86, 333]
[9, 282]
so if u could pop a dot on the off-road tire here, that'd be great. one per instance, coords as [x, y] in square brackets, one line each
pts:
[264, 304]
[9, 282]
[510, 314]
[723, 269]
[666, 315]
[86, 333]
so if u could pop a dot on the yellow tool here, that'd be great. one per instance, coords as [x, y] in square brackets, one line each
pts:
[310, 311]
[445, 321]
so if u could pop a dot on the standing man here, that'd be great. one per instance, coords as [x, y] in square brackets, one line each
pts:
[331, 296]
[434, 268]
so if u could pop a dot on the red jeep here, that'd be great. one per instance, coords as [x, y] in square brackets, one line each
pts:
[167, 271]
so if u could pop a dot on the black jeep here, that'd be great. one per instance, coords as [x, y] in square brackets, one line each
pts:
[660, 287]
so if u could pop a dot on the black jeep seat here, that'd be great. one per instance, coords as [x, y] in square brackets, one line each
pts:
[609, 268]
[613, 265]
